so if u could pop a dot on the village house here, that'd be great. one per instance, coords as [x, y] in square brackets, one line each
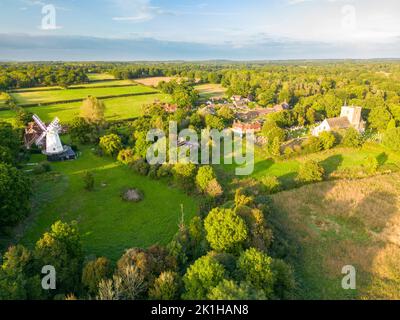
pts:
[242, 128]
[240, 102]
[349, 117]
[208, 109]
[281, 107]
[170, 108]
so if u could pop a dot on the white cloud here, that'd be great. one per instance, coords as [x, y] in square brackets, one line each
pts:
[136, 10]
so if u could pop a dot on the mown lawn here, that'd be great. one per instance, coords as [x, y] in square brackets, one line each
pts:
[333, 224]
[61, 95]
[116, 108]
[108, 224]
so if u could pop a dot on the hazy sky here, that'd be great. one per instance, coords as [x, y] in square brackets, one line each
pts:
[186, 29]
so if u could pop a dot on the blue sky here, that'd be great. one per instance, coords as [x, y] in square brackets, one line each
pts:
[187, 29]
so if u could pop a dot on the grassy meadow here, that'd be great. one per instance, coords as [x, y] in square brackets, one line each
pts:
[333, 161]
[338, 223]
[116, 108]
[108, 224]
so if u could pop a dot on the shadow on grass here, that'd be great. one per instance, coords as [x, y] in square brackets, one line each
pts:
[382, 158]
[332, 163]
[262, 166]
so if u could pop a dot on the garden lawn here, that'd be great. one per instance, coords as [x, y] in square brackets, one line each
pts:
[108, 225]
[116, 108]
[37, 97]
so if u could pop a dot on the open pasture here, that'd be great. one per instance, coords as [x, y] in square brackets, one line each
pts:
[38, 97]
[332, 161]
[108, 224]
[116, 108]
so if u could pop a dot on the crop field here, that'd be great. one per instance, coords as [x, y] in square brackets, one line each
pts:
[153, 81]
[340, 223]
[37, 97]
[108, 224]
[100, 76]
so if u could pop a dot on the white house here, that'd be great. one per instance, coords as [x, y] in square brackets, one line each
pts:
[349, 117]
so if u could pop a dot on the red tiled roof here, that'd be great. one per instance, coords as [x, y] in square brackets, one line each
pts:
[256, 126]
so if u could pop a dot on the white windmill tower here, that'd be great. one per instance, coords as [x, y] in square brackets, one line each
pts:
[51, 133]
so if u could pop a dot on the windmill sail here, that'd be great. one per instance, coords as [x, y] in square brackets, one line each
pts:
[54, 125]
[39, 122]
[39, 140]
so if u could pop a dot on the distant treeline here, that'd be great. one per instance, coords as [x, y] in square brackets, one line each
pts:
[21, 75]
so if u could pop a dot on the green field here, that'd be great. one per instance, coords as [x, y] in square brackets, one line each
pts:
[86, 85]
[333, 224]
[105, 83]
[116, 108]
[332, 160]
[37, 97]
[108, 224]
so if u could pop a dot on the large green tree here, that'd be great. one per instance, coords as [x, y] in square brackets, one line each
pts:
[61, 248]
[254, 267]
[19, 277]
[93, 109]
[205, 274]
[225, 229]
[15, 191]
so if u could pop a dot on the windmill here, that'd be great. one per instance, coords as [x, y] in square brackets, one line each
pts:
[47, 138]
